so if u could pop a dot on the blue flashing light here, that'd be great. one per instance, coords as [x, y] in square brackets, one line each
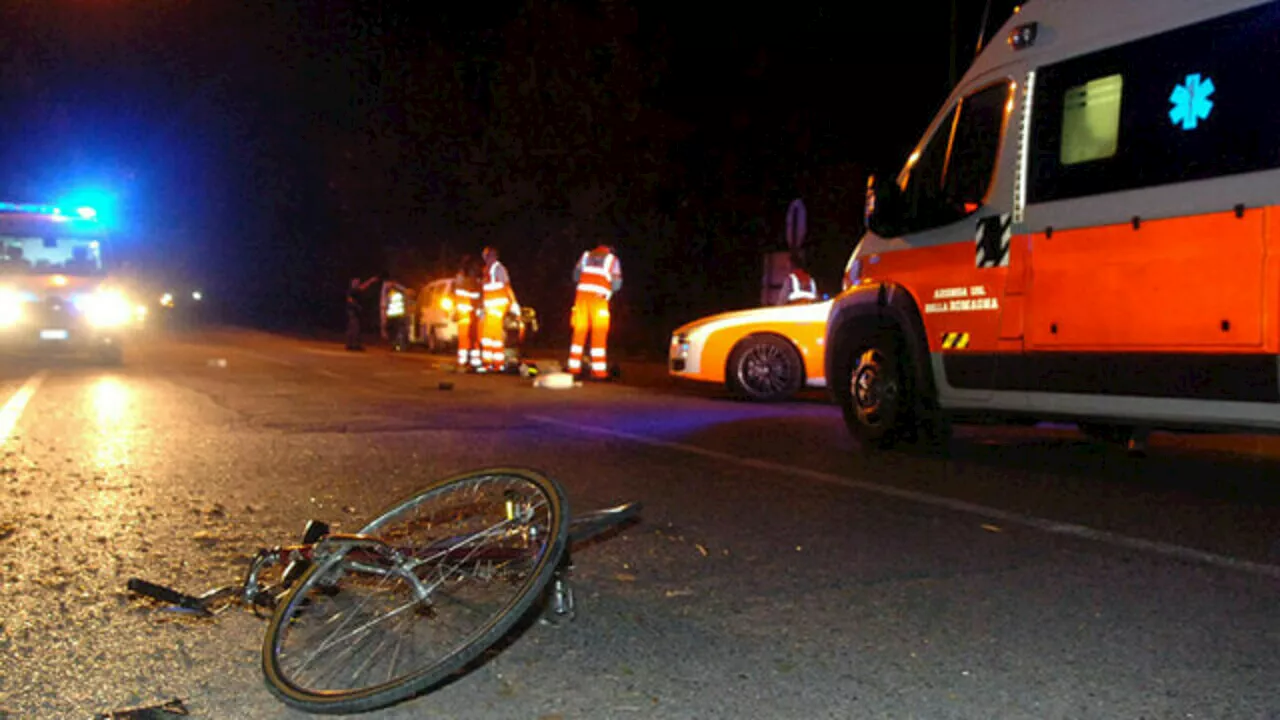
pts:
[86, 213]
[29, 208]
[1191, 102]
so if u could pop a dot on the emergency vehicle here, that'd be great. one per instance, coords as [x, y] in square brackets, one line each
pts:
[55, 292]
[1089, 230]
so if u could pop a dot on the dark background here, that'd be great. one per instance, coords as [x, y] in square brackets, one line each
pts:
[269, 151]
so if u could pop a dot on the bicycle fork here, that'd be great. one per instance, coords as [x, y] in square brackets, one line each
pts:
[560, 604]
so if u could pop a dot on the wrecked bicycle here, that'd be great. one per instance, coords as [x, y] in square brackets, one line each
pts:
[364, 620]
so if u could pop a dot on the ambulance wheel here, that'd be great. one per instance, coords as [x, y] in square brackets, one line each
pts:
[876, 394]
[764, 368]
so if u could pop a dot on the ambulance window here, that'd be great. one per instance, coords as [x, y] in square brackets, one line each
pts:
[1091, 120]
[976, 145]
[924, 178]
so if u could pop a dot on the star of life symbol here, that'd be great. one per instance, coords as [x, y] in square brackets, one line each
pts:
[1191, 102]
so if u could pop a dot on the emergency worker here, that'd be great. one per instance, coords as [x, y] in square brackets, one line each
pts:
[499, 299]
[799, 286]
[353, 311]
[598, 275]
[466, 302]
[395, 312]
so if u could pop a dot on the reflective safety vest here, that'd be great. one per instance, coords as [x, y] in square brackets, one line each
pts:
[497, 286]
[465, 297]
[599, 272]
[800, 286]
[395, 304]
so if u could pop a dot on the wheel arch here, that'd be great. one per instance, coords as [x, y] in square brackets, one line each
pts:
[877, 308]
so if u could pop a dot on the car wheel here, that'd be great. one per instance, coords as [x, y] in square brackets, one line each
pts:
[765, 368]
[877, 396]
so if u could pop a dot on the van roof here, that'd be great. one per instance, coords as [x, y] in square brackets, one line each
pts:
[1067, 28]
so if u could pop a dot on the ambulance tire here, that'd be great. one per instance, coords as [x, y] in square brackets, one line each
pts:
[764, 368]
[877, 394]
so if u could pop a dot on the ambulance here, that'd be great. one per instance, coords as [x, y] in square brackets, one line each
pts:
[55, 293]
[1088, 231]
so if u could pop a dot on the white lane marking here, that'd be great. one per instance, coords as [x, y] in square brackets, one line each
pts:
[1049, 526]
[12, 410]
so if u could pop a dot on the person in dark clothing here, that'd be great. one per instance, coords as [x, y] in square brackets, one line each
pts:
[353, 311]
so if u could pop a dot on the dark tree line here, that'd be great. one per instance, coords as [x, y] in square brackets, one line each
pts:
[315, 141]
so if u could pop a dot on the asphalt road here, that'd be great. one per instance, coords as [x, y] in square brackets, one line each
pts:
[779, 571]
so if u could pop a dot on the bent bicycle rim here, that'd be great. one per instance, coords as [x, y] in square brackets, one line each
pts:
[463, 560]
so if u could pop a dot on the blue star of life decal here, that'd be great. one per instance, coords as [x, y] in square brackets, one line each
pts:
[1191, 102]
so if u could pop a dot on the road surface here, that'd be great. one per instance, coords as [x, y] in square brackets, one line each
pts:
[779, 571]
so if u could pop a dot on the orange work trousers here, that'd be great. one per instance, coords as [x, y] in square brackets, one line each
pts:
[590, 314]
[493, 336]
[468, 352]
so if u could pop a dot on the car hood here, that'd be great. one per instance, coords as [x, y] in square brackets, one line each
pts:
[800, 312]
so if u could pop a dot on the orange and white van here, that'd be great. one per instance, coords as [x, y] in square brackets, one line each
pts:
[1089, 230]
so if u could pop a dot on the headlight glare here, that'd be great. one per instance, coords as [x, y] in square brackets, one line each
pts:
[10, 307]
[107, 308]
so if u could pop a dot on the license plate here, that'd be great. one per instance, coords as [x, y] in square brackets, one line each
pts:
[53, 334]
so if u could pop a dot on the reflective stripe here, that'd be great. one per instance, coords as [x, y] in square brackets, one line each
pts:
[599, 367]
[809, 292]
[491, 286]
[575, 364]
[596, 289]
[575, 348]
[597, 352]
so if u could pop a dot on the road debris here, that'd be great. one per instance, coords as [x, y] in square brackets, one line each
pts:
[158, 711]
[556, 381]
[992, 528]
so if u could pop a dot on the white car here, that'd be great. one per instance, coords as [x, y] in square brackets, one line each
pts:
[436, 326]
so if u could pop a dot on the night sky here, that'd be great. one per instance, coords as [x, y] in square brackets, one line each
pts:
[269, 151]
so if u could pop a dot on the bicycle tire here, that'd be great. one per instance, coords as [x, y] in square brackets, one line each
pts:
[430, 673]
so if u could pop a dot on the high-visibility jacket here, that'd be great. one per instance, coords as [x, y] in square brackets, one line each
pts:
[599, 272]
[800, 286]
[395, 303]
[497, 292]
[466, 296]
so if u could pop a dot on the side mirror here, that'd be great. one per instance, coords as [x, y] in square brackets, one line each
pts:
[884, 211]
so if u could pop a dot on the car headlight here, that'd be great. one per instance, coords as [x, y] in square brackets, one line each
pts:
[10, 307]
[107, 308]
[680, 346]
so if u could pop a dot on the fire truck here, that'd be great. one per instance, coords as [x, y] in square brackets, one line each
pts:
[56, 295]
[1086, 231]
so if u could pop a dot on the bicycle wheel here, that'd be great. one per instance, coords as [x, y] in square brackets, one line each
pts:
[459, 564]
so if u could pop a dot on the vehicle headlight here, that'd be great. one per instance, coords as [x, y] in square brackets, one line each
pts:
[680, 346]
[107, 308]
[10, 307]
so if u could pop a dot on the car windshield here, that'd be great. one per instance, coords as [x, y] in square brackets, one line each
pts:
[21, 254]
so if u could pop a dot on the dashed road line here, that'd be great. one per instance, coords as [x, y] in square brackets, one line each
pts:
[1053, 527]
[12, 410]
